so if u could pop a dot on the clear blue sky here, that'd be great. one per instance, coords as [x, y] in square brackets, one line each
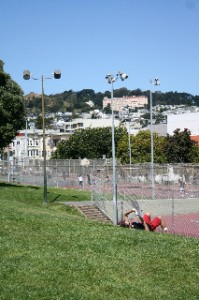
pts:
[86, 39]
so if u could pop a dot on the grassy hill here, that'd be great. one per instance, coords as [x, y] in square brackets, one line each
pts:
[52, 252]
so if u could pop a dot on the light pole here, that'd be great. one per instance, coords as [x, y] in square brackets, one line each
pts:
[111, 79]
[27, 76]
[152, 82]
[26, 142]
[129, 138]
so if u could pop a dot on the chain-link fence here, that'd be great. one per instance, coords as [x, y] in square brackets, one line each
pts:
[60, 173]
[174, 193]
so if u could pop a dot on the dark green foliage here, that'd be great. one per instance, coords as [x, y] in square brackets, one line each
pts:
[11, 108]
[91, 143]
[141, 148]
[39, 122]
[70, 100]
[180, 147]
[107, 109]
[173, 98]
[96, 142]
[119, 93]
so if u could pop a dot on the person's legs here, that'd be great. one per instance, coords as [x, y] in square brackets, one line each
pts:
[157, 221]
[147, 218]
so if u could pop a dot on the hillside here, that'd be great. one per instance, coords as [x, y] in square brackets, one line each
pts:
[52, 252]
[72, 101]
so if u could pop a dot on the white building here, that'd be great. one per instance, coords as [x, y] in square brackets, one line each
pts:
[29, 143]
[76, 124]
[182, 121]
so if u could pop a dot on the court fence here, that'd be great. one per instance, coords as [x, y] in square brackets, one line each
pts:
[173, 194]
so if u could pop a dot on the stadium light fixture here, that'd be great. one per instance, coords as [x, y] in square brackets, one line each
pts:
[129, 138]
[26, 76]
[111, 79]
[154, 82]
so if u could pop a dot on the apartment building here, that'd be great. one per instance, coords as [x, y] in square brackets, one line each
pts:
[29, 143]
[77, 124]
[131, 102]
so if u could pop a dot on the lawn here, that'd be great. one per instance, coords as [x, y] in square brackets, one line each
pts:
[52, 252]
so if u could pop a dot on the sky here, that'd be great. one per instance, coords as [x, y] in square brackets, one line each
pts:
[87, 39]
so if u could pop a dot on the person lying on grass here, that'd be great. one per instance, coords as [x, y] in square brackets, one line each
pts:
[144, 223]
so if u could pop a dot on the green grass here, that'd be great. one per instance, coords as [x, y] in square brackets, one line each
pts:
[52, 252]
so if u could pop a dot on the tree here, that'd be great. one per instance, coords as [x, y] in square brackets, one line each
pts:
[141, 148]
[195, 154]
[71, 100]
[107, 109]
[39, 122]
[91, 143]
[12, 110]
[122, 152]
[179, 147]
[119, 93]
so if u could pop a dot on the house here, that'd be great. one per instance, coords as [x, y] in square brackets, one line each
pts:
[29, 143]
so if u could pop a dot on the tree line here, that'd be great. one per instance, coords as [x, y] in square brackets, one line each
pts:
[94, 143]
[71, 101]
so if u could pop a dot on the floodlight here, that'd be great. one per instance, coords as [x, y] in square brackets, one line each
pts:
[26, 74]
[57, 74]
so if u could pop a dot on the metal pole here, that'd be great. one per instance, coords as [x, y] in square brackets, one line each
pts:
[113, 162]
[129, 143]
[152, 148]
[44, 143]
[8, 162]
[26, 143]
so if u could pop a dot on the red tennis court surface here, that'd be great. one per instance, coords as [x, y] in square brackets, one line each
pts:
[183, 224]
